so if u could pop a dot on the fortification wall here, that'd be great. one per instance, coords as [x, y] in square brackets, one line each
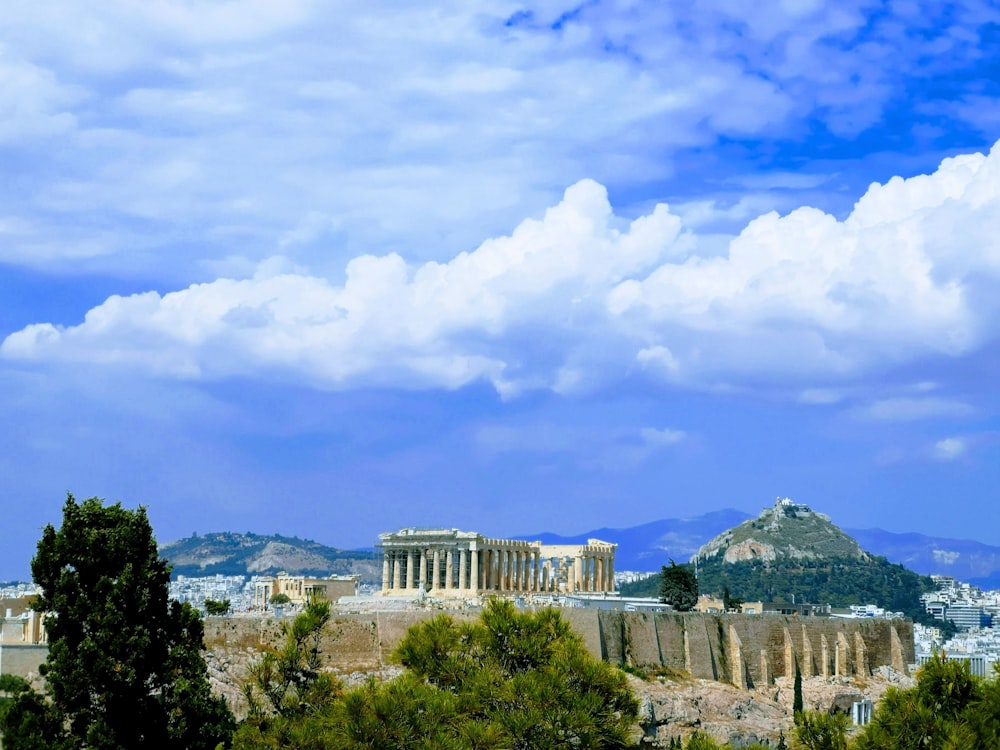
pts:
[744, 650]
[22, 659]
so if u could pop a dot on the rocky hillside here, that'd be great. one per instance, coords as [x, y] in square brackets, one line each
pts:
[253, 554]
[787, 530]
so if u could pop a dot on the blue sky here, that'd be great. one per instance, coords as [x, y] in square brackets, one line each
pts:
[326, 271]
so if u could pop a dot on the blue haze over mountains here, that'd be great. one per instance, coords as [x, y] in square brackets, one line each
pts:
[650, 545]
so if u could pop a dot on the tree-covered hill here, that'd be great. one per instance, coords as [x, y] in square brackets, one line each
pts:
[790, 553]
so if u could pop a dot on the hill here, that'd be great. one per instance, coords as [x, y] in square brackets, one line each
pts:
[787, 530]
[253, 554]
[790, 553]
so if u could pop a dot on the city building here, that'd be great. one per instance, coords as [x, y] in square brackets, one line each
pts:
[300, 589]
[967, 616]
[449, 562]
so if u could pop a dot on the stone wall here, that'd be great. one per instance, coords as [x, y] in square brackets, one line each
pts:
[745, 650]
[22, 659]
[750, 650]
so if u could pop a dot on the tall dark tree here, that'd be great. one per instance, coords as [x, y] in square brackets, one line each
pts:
[125, 668]
[798, 704]
[679, 586]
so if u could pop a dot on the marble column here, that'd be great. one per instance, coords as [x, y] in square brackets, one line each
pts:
[611, 573]
[462, 581]
[421, 569]
[436, 570]
[411, 580]
[449, 568]
[474, 570]
[397, 570]
[385, 571]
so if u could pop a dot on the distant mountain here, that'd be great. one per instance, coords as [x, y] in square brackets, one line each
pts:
[654, 544]
[966, 560]
[253, 554]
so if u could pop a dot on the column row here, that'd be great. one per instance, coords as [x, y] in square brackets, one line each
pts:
[431, 567]
[494, 568]
[593, 573]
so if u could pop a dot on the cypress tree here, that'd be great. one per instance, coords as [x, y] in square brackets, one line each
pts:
[797, 703]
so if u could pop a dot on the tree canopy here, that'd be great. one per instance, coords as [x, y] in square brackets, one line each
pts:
[124, 668]
[679, 586]
[217, 607]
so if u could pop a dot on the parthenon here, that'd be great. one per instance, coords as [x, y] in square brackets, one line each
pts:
[449, 562]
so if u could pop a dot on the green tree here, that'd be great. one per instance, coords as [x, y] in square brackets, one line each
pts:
[286, 692]
[949, 709]
[124, 668]
[679, 586]
[217, 608]
[279, 599]
[819, 731]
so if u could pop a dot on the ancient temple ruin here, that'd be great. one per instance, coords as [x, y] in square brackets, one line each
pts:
[449, 562]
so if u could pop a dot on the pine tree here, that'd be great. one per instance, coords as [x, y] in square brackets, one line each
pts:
[124, 668]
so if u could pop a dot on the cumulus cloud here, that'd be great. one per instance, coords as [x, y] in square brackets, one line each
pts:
[439, 324]
[581, 296]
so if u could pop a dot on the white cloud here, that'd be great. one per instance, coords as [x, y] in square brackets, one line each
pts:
[901, 276]
[662, 437]
[906, 409]
[821, 396]
[579, 297]
[949, 449]
[436, 324]
[33, 102]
